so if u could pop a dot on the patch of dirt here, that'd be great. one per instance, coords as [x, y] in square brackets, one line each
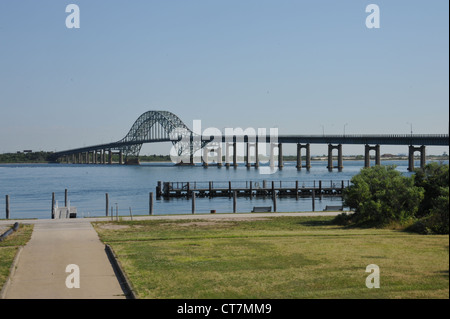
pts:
[199, 224]
[113, 227]
[218, 222]
[243, 219]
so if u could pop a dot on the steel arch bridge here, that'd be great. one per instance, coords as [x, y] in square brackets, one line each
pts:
[150, 127]
[164, 126]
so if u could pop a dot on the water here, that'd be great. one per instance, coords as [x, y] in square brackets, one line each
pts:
[30, 187]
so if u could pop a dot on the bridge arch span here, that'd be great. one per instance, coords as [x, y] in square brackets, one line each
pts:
[153, 126]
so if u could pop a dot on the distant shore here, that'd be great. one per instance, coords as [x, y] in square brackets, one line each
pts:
[43, 158]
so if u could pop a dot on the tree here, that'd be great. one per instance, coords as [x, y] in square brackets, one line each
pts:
[380, 195]
[433, 210]
[434, 179]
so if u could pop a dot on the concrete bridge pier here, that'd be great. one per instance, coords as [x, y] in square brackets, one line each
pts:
[330, 157]
[249, 157]
[272, 155]
[191, 156]
[299, 156]
[206, 151]
[412, 150]
[280, 155]
[367, 150]
[256, 155]
[219, 155]
[235, 164]
[227, 154]
[248, 160]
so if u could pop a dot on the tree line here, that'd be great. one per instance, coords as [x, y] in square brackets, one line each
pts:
[26, 157]
[45, 157]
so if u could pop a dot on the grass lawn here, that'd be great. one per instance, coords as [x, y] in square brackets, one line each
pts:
[9, 247]
[275, 258]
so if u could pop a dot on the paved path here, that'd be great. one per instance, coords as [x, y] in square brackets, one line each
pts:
[55, 244]
[41, 268]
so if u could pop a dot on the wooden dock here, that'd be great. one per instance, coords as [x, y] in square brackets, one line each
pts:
[251, 189]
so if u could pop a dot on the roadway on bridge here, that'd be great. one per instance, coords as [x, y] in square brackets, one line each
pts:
[40, 269]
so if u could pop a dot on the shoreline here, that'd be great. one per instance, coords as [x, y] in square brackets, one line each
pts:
[316, 159]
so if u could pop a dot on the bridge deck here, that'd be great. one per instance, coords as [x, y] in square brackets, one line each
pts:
[388, 139]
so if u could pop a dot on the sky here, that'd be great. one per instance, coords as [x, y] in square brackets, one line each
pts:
[304, 67]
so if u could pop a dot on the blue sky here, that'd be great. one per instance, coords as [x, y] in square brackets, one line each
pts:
[302, 66]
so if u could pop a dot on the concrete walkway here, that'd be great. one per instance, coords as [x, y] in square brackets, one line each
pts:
[41, 268]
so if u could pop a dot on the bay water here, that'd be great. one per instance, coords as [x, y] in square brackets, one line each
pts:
[30, 187]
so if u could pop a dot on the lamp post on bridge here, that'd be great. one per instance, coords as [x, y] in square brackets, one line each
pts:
[410, 127]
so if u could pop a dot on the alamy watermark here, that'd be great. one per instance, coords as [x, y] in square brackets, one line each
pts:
[211, 145]
[73, 19]
[373, 280]
[73, 279]
[373, 19]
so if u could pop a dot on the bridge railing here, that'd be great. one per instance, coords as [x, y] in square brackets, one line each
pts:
[372, 135]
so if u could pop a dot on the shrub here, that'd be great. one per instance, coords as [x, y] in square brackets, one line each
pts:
[381, 195]
[343, 219]
[434, 179]
[437, 221]
[433, 210]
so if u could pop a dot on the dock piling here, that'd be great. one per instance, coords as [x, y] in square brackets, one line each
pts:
[274, 198]
[7, 206]
[150, 203]
[313, 200]
[107, 204]
[53, 205]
